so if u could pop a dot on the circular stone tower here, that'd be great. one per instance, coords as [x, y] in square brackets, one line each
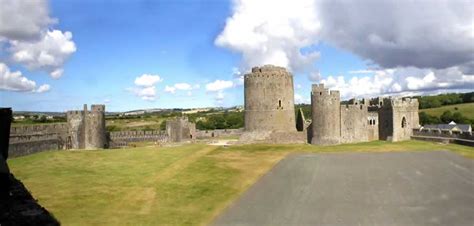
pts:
[326, 116]
[269, 99]
[95, 128]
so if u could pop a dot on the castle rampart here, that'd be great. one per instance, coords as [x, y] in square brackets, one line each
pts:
[269, 100]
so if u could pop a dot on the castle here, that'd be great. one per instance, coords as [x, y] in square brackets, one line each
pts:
[270, 113]
[86, 129]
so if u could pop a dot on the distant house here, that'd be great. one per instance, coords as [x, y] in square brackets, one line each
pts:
[451, 128]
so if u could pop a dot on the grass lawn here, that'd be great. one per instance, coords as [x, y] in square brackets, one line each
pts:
[184, 185]
[466, 109]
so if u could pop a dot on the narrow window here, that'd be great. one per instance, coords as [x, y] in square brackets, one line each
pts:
[404, 122]
[279, 103]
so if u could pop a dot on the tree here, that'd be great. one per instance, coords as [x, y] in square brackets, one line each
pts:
[426, 119]
[446, 117]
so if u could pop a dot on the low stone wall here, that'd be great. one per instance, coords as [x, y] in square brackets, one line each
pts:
[124, 138]
[206, 134]
[33, 146]
[29, 139]
[269, 137]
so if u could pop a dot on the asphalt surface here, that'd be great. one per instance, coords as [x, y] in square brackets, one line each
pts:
[404, 188]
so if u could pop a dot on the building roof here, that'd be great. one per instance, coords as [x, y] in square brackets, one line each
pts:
[461, 127]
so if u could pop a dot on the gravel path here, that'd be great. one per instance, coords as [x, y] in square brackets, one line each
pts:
[403, 188]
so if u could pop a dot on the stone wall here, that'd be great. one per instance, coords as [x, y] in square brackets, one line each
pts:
[86, 128]
[398, 117]
[124, 138]
[180, 129]
[206, 134]
[354, 122]
[29, 139]
[373, 126]
[326, 116]
[269, 99]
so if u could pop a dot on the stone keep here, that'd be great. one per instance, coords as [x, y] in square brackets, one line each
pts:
[397, 118]
[269, 100]
[180, 129]
[325, 115]
[86, 129]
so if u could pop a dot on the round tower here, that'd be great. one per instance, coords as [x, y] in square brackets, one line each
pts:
[95, 127]
[76, 129]
[269, 99]
[326, 116]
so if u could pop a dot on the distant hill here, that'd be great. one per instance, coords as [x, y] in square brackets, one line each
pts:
[466, 109]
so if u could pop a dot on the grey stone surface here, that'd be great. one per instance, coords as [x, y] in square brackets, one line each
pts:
[405, 188]
[390, 119]
[86, 129]
[269, 100]
[180, 129]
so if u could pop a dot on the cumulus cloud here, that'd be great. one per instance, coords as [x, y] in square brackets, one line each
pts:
[15, 81]
[410, 46]
[147, 80]
[145, 86]
[49, 53]
[425, 34]
[24, 20]
[43, 88]
[219, 85]
[145, 93]
[28, 39]
[272, 32]
[401, 81]
[181, 86]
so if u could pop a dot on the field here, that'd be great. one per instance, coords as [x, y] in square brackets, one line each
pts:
[466, 109]
[181, 185]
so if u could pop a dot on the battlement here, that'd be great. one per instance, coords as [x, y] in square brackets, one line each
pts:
[319, 89]
[98, 107]
[74, 112]
[399, 102]
[269, 68]
[268, 71]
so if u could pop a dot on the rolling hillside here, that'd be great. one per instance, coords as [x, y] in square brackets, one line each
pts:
[466, 109]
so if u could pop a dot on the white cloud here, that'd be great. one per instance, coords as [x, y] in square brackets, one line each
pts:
[395, 37]
[393, 33]
[181, 86]
[314, 76]
[145, 93]
[272, 32]
[219, 85]
[24, 20]
[170, 89]
[49, 54]
[147, 80]
[401, 81]
[15, 81]
[145, 86]
[43, 88]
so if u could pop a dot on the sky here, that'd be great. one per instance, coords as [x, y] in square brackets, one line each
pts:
[136, 54]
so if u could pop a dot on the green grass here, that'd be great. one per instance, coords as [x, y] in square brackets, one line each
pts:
[466, 110]
[184, 185]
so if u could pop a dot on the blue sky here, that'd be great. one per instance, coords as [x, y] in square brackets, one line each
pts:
[116, 42]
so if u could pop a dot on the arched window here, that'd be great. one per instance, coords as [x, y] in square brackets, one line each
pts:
[404, 122]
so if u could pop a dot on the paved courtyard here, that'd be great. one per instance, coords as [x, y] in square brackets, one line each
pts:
[404, 188]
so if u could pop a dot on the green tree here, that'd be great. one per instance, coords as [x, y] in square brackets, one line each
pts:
[446, 117]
